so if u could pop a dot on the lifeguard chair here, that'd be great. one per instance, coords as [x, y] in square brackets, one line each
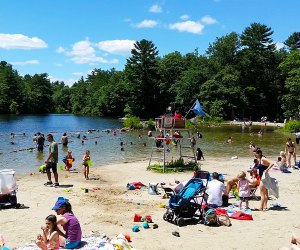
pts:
[172, 126]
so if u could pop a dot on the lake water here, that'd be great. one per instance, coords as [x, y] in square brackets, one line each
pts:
[107, 150]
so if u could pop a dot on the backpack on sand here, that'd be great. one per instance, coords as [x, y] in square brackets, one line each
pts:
[210, 218]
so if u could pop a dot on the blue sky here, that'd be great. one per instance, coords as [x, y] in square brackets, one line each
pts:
[69, 38]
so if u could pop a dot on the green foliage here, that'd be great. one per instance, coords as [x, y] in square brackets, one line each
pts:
[174, 166]
[189, 124]
[293, 41]
[141, 72]
[239, 76]
[150, 124]
[132, 122]
[291, 99]
[291, 126]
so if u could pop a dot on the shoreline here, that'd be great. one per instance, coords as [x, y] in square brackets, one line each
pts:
[262, 124]
[110, 210]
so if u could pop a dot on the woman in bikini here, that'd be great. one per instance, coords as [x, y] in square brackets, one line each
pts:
[290, 150]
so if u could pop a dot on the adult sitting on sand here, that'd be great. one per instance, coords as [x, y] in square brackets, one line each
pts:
[71, 231]
[254, 182]
[295, 240]
[264, 166]
[215, 189]
[175, 187]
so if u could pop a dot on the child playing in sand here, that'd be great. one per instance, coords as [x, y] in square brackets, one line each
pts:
[49, 239]
[68, 160]
[85, 165]
[244, 190]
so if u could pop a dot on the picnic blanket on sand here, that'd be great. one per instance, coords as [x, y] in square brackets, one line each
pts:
[234, 212]
[95, 243]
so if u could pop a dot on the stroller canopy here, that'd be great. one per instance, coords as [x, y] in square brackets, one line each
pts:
[7, 181]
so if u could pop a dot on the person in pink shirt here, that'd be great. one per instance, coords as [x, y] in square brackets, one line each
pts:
[244, 189]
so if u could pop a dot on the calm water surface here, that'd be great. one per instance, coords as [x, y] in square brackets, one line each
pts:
[107, 149]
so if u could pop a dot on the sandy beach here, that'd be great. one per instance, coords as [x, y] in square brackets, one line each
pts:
[110, 209]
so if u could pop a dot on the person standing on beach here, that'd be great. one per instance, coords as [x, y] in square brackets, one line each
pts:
[51, 161]
[85, 165]
[264, 165]
[290, 150]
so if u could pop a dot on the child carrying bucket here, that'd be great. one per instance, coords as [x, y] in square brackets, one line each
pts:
[86, 163]
[68, 160]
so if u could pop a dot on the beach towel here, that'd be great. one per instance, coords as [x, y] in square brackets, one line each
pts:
[234, 212]
[271, 184]
[241, 216]
[93, 242]
[135, 185]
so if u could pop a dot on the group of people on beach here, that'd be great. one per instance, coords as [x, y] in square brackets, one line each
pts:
[52, 161]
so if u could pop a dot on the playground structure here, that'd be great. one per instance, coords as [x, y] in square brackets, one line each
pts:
[170, 129]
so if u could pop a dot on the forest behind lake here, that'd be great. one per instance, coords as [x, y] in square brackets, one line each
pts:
[240, 75]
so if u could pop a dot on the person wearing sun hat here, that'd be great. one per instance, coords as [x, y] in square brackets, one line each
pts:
[71, 232]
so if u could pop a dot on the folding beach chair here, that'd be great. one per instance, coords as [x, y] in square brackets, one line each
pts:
[252, 193]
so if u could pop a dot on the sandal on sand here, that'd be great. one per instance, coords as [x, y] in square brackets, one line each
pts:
[48, 183]
[175, 233]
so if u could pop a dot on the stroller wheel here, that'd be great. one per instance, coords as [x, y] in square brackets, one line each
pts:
[168, 216]
[180, 222]
[165, 217]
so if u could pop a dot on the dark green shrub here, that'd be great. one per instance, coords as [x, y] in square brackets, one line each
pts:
[174, 166]
[151, 124]
[291, 126]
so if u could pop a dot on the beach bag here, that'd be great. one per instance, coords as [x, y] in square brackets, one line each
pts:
[153, 189]
[210, 218]
[130, 186]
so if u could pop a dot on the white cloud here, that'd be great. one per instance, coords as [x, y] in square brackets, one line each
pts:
[208, 20]
[147, 24]
[187, 26]
[67, 81]
[83, 73]
[58, 64]
[19, 41]
[185, 17]
[60, 50]
[83, 52]
[155, 8]
[78, 73]
[279, 46]
[29, 62]
[117, 47]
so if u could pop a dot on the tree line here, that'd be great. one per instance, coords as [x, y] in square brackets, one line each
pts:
[240, 75]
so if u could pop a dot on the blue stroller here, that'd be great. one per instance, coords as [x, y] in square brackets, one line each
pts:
[185, 204]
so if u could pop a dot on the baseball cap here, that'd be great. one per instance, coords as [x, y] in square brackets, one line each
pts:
[61, 201]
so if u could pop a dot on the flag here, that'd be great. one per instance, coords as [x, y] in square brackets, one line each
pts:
[197, 109]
